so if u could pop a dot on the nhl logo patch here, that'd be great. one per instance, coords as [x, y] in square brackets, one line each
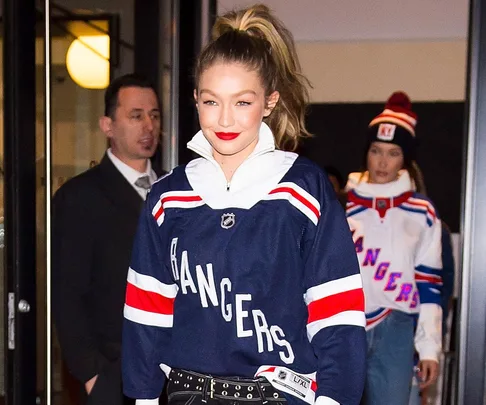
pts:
[282, 374]
[381, 204]
[227, 220]
[386, 132]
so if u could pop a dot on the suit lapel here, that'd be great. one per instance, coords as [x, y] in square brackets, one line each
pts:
[118, 189]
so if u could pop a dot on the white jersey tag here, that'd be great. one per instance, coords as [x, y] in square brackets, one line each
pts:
[302, 386]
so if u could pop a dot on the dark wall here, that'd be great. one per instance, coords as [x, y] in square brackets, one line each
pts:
[339, 140]
[191, 14]
[189, 47]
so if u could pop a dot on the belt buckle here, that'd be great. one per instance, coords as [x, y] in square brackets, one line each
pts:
[212, 383]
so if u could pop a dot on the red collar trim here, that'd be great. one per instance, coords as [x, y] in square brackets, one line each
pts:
[381, 204]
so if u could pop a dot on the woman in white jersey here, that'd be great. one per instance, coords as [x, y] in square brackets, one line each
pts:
[397, 236]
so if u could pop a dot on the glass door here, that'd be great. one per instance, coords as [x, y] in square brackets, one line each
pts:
[79, 45]
[55, 67]
[79, 71]
[57, 64]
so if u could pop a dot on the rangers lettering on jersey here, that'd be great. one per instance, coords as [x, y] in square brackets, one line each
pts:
[205, 285]
[246, 283]
[392, 282]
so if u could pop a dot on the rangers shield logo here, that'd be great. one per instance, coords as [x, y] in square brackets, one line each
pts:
[227, 220]
[381, 204]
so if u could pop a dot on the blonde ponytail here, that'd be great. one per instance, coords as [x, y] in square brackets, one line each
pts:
[256, 38]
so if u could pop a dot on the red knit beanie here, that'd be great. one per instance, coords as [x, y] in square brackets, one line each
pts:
[396, 124]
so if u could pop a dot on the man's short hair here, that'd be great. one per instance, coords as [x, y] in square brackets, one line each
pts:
[129, 80]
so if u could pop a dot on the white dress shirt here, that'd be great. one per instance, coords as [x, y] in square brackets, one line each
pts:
[133, 175]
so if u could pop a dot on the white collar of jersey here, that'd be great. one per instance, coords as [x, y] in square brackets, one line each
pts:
[359, 183]
[247, 186]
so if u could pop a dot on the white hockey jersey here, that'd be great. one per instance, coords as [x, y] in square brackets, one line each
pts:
[397, 237]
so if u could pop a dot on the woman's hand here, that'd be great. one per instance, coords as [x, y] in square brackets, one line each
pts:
[428, 372]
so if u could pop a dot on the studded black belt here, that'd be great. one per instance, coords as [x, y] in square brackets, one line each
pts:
[235, 388]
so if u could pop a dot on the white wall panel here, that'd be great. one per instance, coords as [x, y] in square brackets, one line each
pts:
[371, 71]
[347, 20]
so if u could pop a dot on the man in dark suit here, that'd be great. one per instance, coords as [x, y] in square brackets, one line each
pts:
[95, 217]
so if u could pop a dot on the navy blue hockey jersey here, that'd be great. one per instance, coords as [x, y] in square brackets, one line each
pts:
[246, 279]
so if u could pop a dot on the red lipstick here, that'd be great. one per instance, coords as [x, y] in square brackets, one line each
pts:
[227, 136]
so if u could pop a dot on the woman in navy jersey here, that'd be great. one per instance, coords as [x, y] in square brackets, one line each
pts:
[397, 236]
[244, 285]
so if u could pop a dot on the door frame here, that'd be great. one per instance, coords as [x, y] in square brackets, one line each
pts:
[20, 200]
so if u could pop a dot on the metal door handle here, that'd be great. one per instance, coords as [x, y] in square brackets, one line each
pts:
[24, 306]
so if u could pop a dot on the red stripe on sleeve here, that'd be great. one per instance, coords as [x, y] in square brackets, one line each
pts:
[326, 307]
[164, 200]
[180, 198]
[159, 212]
[429, 279]
[299, 197]
[423, 205]
[149, 301]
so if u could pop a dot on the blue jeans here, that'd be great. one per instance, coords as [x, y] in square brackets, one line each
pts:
[390, 361]
[414, 394]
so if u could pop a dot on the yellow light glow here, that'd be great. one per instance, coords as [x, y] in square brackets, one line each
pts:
[87, 68]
